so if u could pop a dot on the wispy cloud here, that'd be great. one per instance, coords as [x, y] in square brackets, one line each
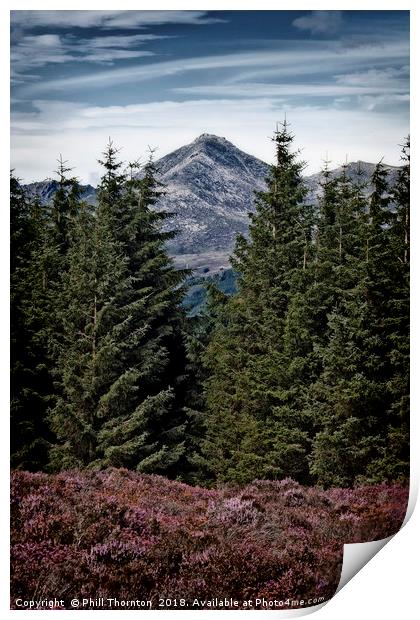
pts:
[320, 22]
[43, 49]
[383, 102]
[81, 76]
[258, 89]
[108, 19]
[289, 61]
[131, 40]
[389, 77]
[380, 81]
[32, 48]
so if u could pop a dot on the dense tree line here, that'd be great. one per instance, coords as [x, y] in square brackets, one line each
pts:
[302, 373]
[308, 363]
[102, 299]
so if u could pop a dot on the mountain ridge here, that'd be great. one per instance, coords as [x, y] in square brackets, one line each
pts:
[209, 188]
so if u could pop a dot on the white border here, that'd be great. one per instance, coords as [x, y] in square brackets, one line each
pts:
[387, 587]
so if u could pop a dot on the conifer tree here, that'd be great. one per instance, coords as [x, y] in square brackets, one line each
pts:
[64, 207]
[122, 354]
[198, 332]
[345, 396]
[157, 350]
[40, 237]
[352, 397]
[29, 432]
[252, 431]
[394, 265]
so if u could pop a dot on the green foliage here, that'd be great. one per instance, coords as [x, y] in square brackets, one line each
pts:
[39, 244]
[302, 373]
[362, 392]
[254, 426]
[28, 448]
[120, 348]
[308, 362]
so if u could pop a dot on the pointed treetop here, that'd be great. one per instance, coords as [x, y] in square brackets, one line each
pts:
[110, 161]
[63, 169]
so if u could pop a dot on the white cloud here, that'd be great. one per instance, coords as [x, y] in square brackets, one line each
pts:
[253, 89]
[45, 40]
[320, 22]
[40, 50]
[383, 102]
[384, 78]
[80, 132]
[108, 19]
[288, 61]
[330, 62]
[129, 40]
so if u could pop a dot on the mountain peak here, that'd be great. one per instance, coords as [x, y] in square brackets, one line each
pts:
[209, 192]
[209, 137]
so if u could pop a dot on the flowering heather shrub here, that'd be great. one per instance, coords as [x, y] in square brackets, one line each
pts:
[120, 534]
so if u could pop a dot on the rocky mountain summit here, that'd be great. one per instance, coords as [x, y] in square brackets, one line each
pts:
[209, 190]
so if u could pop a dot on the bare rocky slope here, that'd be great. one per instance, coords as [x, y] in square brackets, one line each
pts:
[209, 189]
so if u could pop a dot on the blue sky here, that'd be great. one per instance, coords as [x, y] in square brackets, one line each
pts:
[161, 78]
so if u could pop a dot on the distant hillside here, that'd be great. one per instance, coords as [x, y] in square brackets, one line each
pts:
[209, 188]
[366, 169]
[195, 299]
[45, 190]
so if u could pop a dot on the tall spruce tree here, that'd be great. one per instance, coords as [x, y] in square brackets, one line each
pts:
[253, 430]
[353, 398]
[40, 240]
[29, 372]
[394, 311]
[157, 351]
[198, 331]
[122, 353]
[345, 397]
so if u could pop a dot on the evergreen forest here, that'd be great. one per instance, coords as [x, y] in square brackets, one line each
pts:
[302, 373]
